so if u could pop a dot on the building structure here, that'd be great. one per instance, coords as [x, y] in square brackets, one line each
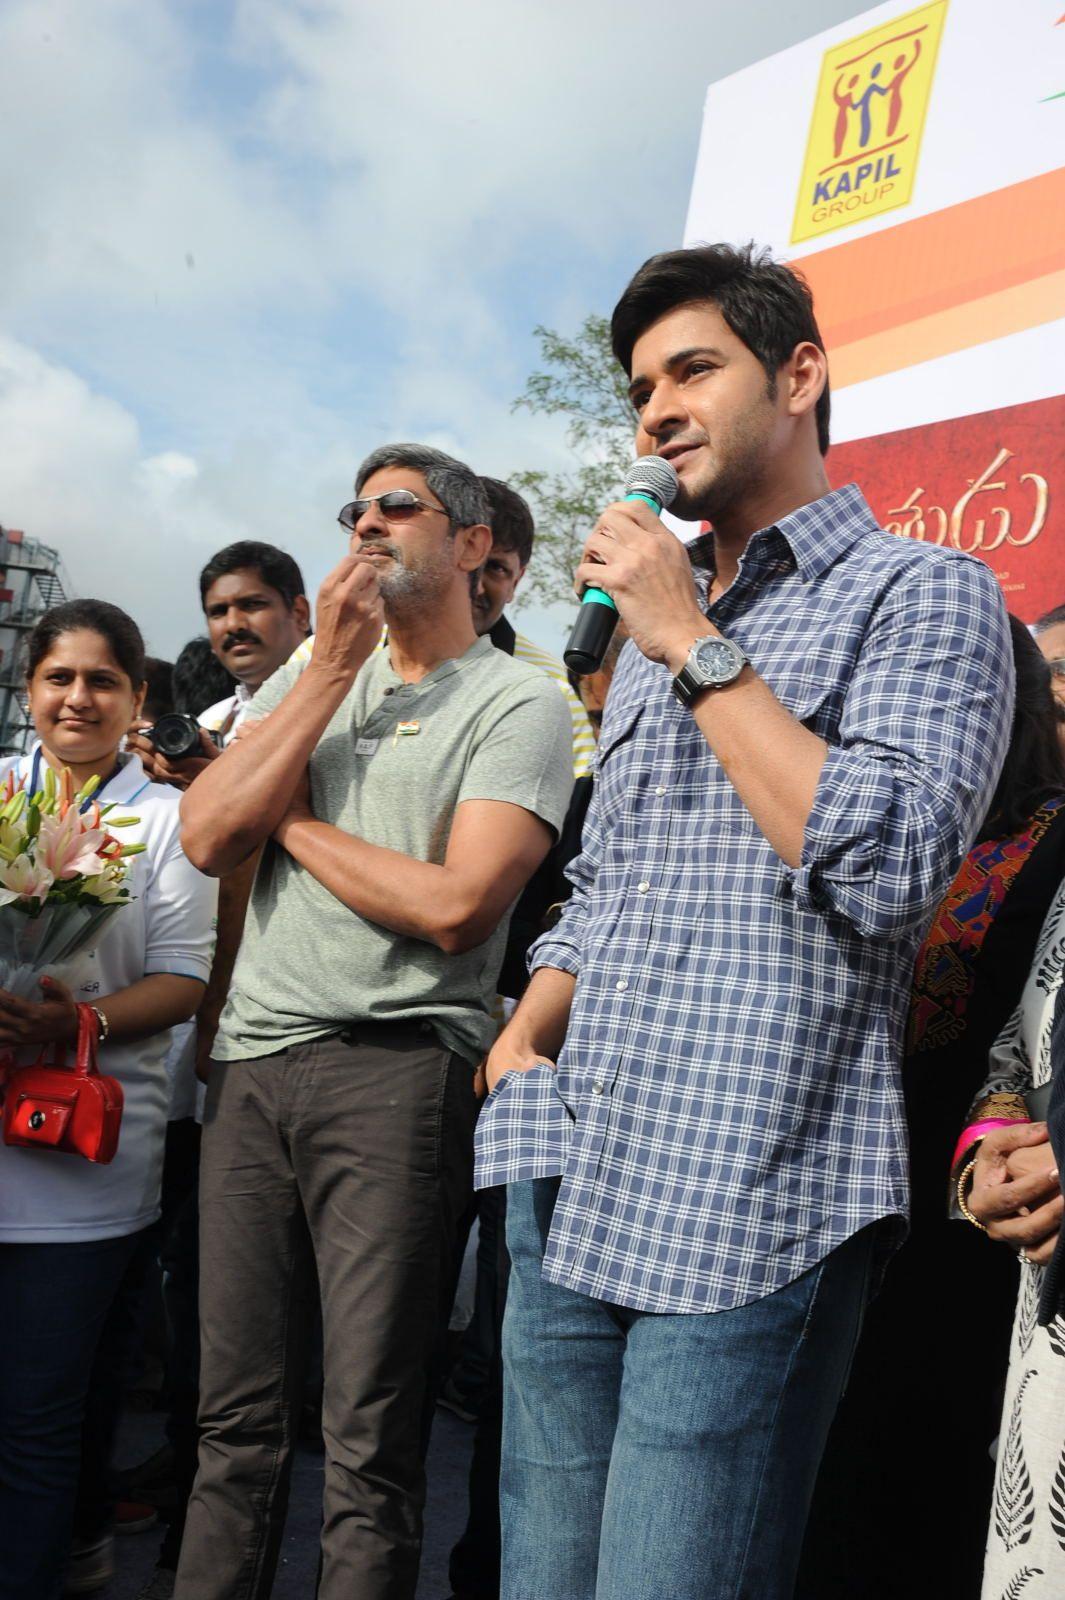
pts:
[31, 579]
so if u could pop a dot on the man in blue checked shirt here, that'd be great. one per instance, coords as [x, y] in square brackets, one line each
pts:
[697, 1104]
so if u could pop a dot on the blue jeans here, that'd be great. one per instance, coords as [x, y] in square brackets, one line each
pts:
[648, 1455]
[54, 1301]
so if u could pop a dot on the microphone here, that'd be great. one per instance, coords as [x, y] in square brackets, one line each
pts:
[654, 481]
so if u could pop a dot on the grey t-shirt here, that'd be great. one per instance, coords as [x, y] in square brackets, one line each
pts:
[391, 767]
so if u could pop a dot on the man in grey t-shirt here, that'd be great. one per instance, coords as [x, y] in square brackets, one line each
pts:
[402, 798]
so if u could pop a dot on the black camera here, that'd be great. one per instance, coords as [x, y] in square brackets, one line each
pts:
[176, 736]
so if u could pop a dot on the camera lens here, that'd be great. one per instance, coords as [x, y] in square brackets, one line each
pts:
[176, 736]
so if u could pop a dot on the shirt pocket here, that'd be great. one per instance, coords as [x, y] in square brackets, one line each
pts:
[619, 732]
[616, 755]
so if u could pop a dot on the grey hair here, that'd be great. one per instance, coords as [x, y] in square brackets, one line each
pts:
[456, 486]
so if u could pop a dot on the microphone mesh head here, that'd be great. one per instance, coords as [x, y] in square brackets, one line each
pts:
[652, 475]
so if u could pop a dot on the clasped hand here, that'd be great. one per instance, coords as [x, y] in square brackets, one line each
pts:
[1016, 1191]
[55, 1018]
[645, 570]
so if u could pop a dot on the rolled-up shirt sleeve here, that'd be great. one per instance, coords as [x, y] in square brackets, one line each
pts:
[561, 946]
[925, 726]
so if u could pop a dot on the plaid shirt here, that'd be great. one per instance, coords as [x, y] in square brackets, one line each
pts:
[726, 1108]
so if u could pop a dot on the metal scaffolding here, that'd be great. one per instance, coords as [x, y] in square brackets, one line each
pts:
[31, 580]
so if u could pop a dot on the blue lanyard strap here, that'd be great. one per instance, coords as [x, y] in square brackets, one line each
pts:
[35, 781]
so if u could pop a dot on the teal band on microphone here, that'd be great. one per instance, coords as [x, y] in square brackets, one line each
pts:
[599, 597]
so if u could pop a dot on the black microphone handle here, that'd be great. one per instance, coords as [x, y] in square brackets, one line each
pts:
[592, 631]
[597, 615]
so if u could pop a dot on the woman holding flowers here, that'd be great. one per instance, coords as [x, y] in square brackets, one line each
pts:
[68, 1228]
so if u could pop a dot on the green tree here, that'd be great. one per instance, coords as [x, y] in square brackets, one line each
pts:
[582, 382]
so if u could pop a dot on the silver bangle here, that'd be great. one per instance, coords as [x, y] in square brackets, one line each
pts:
[102, 1024]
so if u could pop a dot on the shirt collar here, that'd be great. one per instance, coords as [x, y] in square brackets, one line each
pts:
[125, 785]
[502, 635]
[817, 534]
[481, 646]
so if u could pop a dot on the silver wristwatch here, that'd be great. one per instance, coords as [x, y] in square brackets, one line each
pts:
[713, 662]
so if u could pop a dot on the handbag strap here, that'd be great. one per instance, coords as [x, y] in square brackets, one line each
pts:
[85, 1060]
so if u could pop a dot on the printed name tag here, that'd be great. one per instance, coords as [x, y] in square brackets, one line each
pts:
[366, 747]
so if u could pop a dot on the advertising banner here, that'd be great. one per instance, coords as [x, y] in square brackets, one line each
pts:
[911, 163]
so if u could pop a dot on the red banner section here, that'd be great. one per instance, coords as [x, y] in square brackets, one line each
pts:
[992, 485]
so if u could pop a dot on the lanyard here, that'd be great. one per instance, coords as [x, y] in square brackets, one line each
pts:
[35, 781]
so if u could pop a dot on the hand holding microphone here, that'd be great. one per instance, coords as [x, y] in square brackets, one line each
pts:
[646, 566]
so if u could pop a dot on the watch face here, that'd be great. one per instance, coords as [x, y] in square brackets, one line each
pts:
[717, 661]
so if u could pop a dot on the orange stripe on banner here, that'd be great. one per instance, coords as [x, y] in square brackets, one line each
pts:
[997, 259]
[959, 328]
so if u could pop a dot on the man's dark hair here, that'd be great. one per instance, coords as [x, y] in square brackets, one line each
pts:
[200, 679]
[159, 697]
[1050, 619]
[765, 303]
[1035, 764]
[275, 567]
[511, 520]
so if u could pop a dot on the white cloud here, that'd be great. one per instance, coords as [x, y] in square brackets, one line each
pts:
[245, 244]
[135, 528]
[119, 190]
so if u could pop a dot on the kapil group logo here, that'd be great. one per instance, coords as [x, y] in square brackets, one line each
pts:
[865, 133]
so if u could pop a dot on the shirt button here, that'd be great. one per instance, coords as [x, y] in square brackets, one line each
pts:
[597, 1087]
[642, 888]
[390, 691]
[661, 789]
[621, 985]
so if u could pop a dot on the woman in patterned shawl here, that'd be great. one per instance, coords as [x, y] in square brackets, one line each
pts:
[910, 1446]
[1015, 1194]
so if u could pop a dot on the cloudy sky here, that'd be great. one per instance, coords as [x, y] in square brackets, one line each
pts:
[245, 241]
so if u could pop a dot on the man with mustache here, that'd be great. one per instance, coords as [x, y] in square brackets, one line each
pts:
[402, 796]
[257, 615]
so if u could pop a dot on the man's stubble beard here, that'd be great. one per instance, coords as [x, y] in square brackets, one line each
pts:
[740, 471]
[407, 591]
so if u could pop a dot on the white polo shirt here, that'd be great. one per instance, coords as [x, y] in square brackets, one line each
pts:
[168, 927]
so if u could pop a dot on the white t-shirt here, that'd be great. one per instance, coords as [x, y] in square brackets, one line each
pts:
[228, 713]
[186, 1090]
[168, 927]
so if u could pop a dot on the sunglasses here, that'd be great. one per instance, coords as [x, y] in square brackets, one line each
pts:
[1057, 668]
[397, 505]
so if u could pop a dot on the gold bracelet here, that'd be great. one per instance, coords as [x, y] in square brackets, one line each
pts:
[961, 1191]
[103, 1027]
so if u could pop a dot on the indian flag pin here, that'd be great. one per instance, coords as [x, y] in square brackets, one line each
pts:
[406, 730]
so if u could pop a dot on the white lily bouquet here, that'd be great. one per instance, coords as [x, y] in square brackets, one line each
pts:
[63, 876]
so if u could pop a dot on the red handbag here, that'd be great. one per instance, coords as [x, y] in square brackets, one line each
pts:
[77, 1109]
